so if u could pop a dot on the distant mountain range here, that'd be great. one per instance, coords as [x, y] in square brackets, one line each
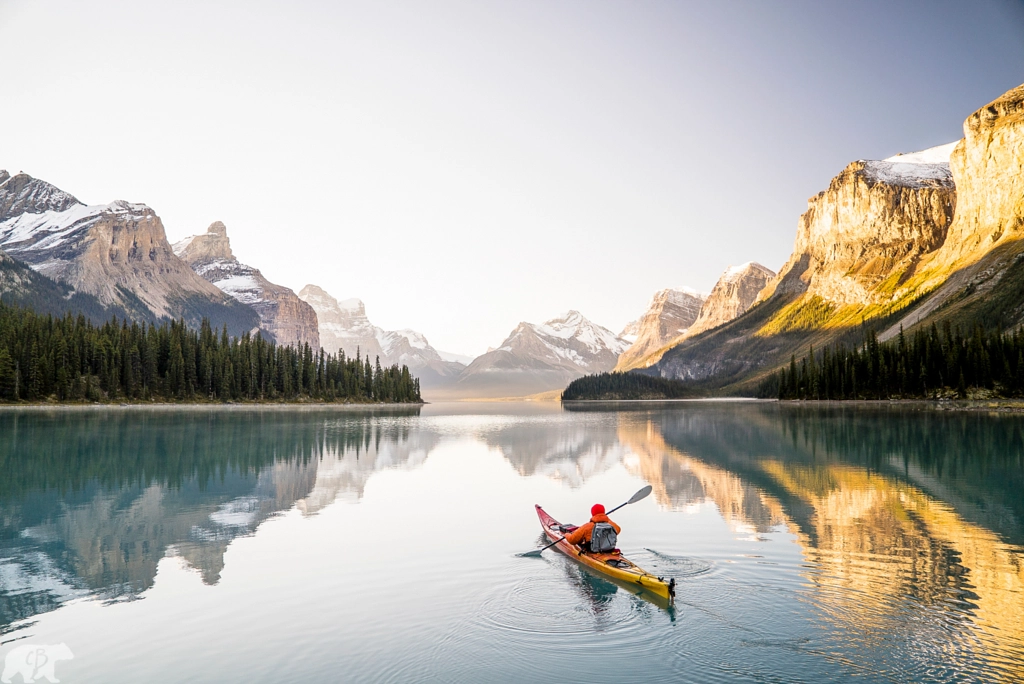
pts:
[345, 327]
[537, 358]
[115, 260]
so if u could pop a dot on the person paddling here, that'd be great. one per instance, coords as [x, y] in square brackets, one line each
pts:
[599, 535]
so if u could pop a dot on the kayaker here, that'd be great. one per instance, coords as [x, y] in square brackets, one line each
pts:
[584, 534]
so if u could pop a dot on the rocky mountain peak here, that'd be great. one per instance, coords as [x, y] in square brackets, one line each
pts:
[354, 307]
[735, 292]
[282, 314]
[669, 315]
[346, 313]
[213, 245]
[23, 194]
[737, 273]
[974, 266]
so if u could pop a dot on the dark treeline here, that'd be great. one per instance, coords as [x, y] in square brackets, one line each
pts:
[614, 386]
[927, 364]
[70, 359]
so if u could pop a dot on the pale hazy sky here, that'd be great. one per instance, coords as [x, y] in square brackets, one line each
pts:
[463, 166]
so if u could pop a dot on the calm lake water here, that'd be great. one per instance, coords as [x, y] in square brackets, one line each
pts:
[809, 543]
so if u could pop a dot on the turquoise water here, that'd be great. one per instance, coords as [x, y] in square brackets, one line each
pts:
[809, 544]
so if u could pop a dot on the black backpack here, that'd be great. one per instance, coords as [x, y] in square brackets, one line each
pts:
[603, 538]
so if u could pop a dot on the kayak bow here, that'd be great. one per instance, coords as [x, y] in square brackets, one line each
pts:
[613, 564]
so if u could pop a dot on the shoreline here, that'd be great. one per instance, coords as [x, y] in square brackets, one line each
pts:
[992, 405]
[997, 405]
[208, 407]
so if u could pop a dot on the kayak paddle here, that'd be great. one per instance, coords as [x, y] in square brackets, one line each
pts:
[636, 497]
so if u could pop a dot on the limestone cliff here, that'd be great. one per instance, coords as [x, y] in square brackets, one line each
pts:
[282, 313]
[117, 252]
[868, 232]
[978, 273]
[669, 315]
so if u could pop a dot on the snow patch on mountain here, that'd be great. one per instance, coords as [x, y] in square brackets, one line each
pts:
[933, 155]
[926, 168]
[52, 229]
[678, 295]
[573, 326]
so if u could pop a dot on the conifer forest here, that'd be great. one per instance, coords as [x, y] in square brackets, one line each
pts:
[67, 359]
[929, 363]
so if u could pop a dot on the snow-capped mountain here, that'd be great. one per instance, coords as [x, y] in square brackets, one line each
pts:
[542, 357]
[669, 315]
[344, 326]
[117, 252]
[286, 317]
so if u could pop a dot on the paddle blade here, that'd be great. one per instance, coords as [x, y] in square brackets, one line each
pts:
[530, 554]
[642, 494]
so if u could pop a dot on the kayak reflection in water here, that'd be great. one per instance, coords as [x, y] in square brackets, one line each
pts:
[599, 535]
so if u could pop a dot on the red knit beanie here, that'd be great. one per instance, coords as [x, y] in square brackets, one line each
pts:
[597, 509]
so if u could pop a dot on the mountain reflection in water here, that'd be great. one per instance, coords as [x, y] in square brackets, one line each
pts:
[91, 502]
[898, 512]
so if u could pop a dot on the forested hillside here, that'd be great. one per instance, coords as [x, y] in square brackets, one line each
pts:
[927, 364]
[69, 359]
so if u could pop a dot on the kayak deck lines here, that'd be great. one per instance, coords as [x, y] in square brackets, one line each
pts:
[613, 564]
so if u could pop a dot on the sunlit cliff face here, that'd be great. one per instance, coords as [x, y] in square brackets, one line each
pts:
[876, 547]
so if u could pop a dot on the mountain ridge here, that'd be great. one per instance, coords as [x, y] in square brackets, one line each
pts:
[117, 253]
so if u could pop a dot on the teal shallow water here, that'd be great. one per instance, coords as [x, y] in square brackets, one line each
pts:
[809, 544]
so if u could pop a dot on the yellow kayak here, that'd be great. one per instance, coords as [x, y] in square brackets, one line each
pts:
[613, 564]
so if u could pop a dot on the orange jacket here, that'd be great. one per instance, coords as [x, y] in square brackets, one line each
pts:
[584, 532]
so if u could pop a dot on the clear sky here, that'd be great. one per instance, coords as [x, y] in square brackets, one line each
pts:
[463, 166]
